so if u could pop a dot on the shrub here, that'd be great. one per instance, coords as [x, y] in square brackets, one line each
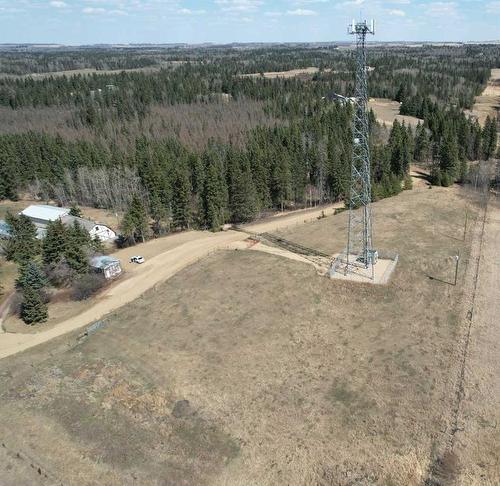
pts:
[15, 304]
[408, 183]
[87, 285]
[60, 274]
[124, 241]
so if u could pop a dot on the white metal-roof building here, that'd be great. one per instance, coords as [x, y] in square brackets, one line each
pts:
[42, 214]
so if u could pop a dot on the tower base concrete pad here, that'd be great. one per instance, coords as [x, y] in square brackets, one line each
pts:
[382, 271]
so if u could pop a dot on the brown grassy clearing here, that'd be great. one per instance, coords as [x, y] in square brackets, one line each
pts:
[286, 74]
[291, 378]
[387, 111]
[92, 71]
[488, 103]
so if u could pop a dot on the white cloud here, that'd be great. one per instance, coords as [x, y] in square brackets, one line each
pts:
[273, 14]
[351, 3]
[239, 5]
[309, 2]
[302, 12]
[493, 7]
[58, 4]
[93, 10]
[188, 11]
[442, 9]
[396, 12]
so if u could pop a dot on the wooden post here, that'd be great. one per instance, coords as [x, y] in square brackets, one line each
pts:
[465, 224]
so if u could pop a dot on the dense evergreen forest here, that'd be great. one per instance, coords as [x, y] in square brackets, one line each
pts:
[195, 143]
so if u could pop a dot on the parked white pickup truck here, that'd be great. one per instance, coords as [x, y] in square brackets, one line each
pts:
[137, 259]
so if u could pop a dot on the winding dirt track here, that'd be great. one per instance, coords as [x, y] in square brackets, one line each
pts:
[156, 270]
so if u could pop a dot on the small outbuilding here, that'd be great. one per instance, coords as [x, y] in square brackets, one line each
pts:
[5, 231]
[109, 266]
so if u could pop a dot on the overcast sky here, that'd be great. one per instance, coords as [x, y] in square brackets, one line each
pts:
[195, 21]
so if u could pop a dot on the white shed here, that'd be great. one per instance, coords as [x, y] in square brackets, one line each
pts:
[108, 265]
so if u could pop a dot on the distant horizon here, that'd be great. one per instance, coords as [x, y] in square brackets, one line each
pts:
[231, 43]
[91, 22]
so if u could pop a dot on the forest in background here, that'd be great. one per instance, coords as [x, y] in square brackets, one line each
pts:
[196, 144]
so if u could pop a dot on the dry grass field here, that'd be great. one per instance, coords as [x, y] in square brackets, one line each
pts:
[92, 71]
[247, 368]
[387, 111]
[488, 103]
[286, 74]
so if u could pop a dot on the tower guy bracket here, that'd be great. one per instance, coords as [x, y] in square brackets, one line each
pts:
[359, 256]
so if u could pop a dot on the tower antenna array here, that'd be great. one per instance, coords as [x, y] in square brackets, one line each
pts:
[359, 252]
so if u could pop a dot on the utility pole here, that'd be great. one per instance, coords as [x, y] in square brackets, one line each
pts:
[359, 251]
[457, 259]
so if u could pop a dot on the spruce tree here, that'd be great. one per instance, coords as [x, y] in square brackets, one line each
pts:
[31, 275]
[181, 201]
[22, 246]
[33, 308]
[489, 137]
[281, 181]
[55, 243]
[78, 234]
[75, 211]
[242, 198]
[134, 224]
[77, 244]
[213, 197]
[96, 245]
[448, 158]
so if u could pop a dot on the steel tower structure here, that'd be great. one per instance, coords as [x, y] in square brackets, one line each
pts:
[359, 252]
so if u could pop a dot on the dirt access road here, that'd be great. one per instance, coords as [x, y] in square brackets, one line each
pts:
[191, 248]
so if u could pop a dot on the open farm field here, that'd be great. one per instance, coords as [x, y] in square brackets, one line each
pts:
[286, 74]
[488, 103]
[386, 111]
[248, 368]
[91, 71]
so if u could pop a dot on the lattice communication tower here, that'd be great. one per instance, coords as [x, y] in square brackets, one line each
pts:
[359, 253]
